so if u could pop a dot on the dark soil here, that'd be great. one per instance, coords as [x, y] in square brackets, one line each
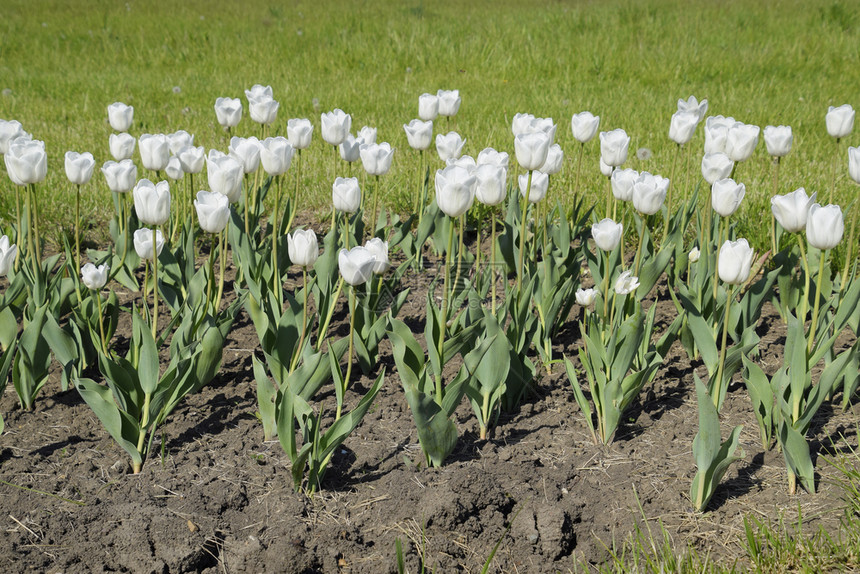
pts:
[215, 498]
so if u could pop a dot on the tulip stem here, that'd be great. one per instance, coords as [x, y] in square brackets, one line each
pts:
[349, 352]
[273, 226]
[606, 274]
[78, 230]
[460, 249]
[804, 303]
[298, 179]
[223, 264]
[849, 253]
[154, 285]
[493, 259]
[813, 327]
[609, 197]
[578, 170]
[669, 194]
[298, 353]
[211, 282]
[717, 263]
[773, 244]
[444, 326]
[638, 258]
[18, 229]
[525, 210]
[833, 171]
[101, 321]
[375, 221]
[324, 328]
[36, 237]
[719, 379]
[30, 248]
[147, 397]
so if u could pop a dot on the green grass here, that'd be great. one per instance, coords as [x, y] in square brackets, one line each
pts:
[628, 61]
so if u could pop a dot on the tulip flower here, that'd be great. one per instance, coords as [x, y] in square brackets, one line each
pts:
[224, 175]
[716, 133]
[8, 253]
[276, 155]
[247, 152]
[626, 283]
[10, 130]
[26, 161]
[536, 189]
[356, 265]
[428, 107]
[683, 126]
[120, 116]
[522, 124]
[263, 111]
[546, 126]
[607, 234]
[94, 277]
[532, 149]
[792, 209]
[350, 149]
[152, 202]
[379, 250]
[735, 261]
[584, 126]
[121, 146]
[367, 135]
[613, 147]
[178, 140]
[741, 140]
[143, 243]
[693, 105]
[79, 167]
[419, 134]
[490, 156]
[464, 161]
[778, 140]
[622, 183]
[259, 91]
[606, 170]
[120, 177]
[824, 226]
[716, 166]
[449, 102]
[586, 297]
[554, 160]
[649, 192]
[154, 151]
[854, 163]
[455, 190]
[174, 168]
[346, 194]
[191, 159]
[213, 211]
[228, 111]
[449, 146]
[376, 158]
[840, 121]
[303, 247]
[726, 196]
[491, 188]
[299, 132]
[335, 126]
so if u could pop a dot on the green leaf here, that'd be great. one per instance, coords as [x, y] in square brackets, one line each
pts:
[148, 362]
[121, 427]
[266, 393]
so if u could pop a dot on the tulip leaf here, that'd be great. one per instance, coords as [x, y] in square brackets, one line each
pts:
[795, 450]
[148, 361]
[437, 434]
[583, 403]
[122, 427]
[762, 397]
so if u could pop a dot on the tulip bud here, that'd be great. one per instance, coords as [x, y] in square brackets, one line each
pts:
[449, 146]
[622, 183]
[26, 161]
[152, 202]
[741, 140]
[726, 196]
[213, 211]
[824, 226]
[379, 250]
[792, 209]
[276, 155]
[121, 176]
[716, 132]
[178, 140]
[626, 283]
[367, 135]
[449, 102]
[174, 168]
[154, 151]
[376, 158]
[539, 186]
[428, 107]
[346, 194]
[584, 126]
[299, 132]
[79, 167]
[247, 151]
[692, 105]
[649, 193]
[586, 297]
[224, 175]
[303, 247]
[10, 130]
[607, 234]
[464, 161]
[143, 243]
[350, 149]
[120, 116]
[854, 163]
[335, 126]
[228, 111]
[356, 265]
[693, 255]
[191, 159]
[613, 147]
[532, 149]
[491, 186]
[94, 277]
[716, 166]
[554, 160]
[735, 261]
[840, 121]
[121, 146]
[419, 134]
[778, 140]
[683, 126]
[455, 190]
[490, 156]
[8, 253]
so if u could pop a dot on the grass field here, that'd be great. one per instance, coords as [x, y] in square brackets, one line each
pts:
[628, 62]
